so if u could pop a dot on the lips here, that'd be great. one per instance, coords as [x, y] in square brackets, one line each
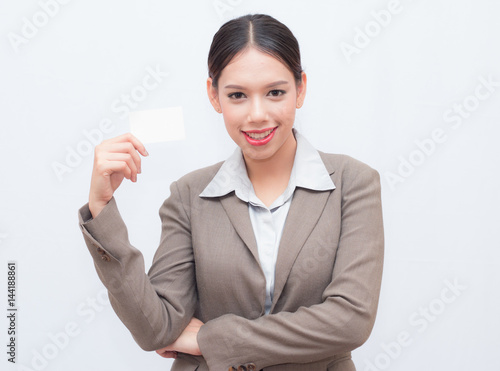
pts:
[259, 137]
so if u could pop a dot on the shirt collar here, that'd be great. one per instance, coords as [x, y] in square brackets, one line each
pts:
[308, 171]
[311, 172]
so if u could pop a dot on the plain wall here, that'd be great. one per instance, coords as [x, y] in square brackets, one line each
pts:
[412, 88]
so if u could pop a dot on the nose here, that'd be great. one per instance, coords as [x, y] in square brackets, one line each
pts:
[257, 111]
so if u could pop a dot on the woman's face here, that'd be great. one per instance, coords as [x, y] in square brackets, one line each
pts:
[258, 97]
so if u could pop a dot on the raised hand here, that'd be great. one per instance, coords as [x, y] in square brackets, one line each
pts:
[114, 159]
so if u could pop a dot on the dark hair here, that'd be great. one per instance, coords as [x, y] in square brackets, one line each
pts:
[261, 31]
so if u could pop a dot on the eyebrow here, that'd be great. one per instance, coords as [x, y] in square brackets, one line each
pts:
[271, 85]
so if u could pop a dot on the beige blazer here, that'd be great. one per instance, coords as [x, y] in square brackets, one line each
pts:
[327, 285]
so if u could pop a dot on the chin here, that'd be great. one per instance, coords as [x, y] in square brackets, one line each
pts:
[259, 155]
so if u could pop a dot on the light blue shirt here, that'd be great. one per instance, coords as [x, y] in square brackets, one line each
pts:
[308, 171]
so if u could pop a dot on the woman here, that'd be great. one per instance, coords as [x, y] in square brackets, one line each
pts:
[270, 260]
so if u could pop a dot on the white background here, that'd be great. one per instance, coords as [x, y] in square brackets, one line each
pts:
[404, 81]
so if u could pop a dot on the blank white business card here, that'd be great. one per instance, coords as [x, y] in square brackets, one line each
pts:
[158, 125]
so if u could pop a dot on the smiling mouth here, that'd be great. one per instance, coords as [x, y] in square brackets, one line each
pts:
[259, 135]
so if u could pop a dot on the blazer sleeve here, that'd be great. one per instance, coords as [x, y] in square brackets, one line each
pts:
[345, 318]
[156, 306]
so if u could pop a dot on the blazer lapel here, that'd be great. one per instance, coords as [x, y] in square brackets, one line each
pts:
[238, 214]
[305, 210]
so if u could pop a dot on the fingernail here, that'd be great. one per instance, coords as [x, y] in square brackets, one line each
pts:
[147, 154]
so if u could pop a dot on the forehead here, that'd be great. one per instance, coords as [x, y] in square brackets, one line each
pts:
[253, 67]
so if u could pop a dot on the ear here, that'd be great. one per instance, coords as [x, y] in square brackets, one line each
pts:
[301, 90]
[213, 95]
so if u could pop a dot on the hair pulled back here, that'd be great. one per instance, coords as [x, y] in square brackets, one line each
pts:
[260, 31]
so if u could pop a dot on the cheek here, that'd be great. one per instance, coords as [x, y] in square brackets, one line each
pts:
[229, 112]
[286, 111]
[232, 119]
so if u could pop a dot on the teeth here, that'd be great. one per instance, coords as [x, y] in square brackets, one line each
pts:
[259, 135]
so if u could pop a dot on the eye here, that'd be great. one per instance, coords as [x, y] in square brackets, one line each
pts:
[276, 93]
[236, 95]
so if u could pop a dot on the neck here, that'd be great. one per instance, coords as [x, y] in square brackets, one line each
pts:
[277, 167]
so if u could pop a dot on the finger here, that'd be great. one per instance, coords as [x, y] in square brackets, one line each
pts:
[107, 168]
[129, 137]
[124, 157]
[167, 353]
[138, 145]
[125, 147]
